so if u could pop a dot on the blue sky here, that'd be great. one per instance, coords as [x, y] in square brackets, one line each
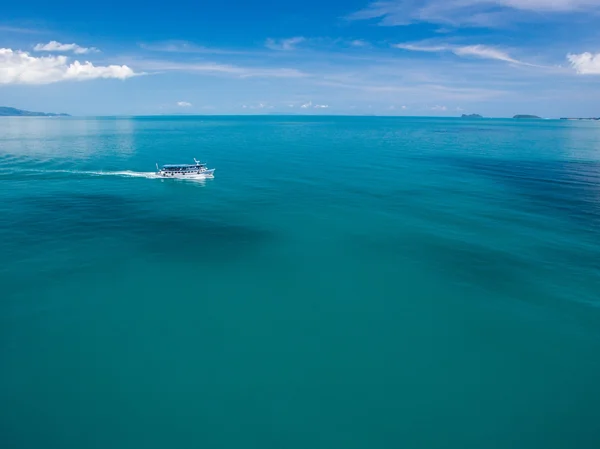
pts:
[396, 57]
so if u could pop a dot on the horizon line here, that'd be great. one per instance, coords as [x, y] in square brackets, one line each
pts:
[299, 115]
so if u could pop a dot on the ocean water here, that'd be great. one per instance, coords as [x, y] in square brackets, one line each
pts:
[342, 282]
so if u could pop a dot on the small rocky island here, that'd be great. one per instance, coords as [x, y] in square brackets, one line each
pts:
[472, 116]
[527, 116]
[14, 112]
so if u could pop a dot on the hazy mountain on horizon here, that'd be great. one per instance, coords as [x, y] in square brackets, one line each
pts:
[6, 111]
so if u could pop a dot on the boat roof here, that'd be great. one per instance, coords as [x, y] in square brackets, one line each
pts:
[183, 165]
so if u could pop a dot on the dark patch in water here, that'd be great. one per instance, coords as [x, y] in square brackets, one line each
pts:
[472, 264]
[463, 262]
[198, 239]
[497, 277]
[568, 188]
[83, 217]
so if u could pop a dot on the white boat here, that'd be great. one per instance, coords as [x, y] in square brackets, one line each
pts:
[197, 170]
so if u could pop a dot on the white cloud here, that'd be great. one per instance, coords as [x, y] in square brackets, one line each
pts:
[439, 108]
[18, 67]
[258, 106]
[54, 46]
[311, 105]
[585, 63]
[184, 104]
[485, 13]
[478, 51]
[284, 44]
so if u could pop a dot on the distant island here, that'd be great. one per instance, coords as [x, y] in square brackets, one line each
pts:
[14, 112]
[526, 116]
[472, 116]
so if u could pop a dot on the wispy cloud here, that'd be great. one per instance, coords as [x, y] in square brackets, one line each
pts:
[478, 51]
[284, 44]
[17, 29]
[57, 47]
[221, 69]
[585, 63]
[184, 104]
[482, 51]
[439, 108]
[485, 13]
[423, 48]
[178, 46]
[418, 90]
[19, 67]
[359, 43]
[394, 107]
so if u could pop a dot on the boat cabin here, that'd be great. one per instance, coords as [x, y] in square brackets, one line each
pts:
[180, 168]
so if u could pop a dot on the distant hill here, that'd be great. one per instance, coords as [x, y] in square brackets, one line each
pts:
[472, 116]
[526, 116]
[14, 112]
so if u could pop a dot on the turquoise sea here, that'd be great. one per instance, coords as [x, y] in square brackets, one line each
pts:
[342, 282]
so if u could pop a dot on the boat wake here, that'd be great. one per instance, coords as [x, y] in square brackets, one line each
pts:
[126, 173]
[28, 173]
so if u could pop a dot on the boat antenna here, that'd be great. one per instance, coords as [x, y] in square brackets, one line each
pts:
[157, 166]
[196, 161]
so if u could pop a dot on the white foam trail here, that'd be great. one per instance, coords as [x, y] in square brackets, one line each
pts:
[128, 173]
[124, 173]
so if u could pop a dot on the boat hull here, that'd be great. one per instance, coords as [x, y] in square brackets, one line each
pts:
[201, 174]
